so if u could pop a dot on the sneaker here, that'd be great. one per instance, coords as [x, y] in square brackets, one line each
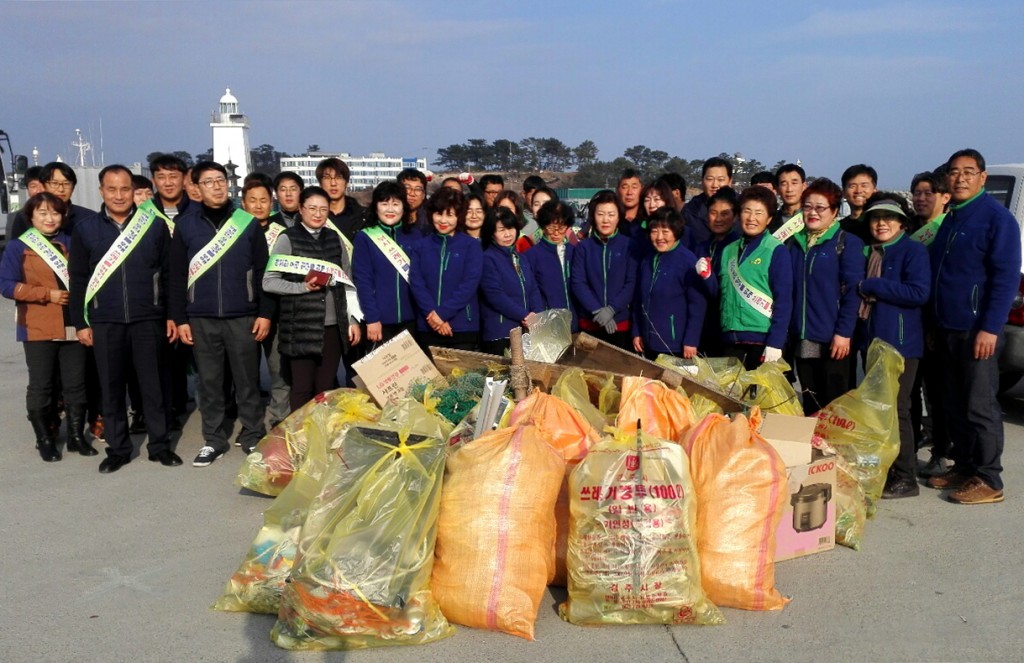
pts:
[951, 479]
[206, 456]
[976, 491]
[898, 488]
[936, 466]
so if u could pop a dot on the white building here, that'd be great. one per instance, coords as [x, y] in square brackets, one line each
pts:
[367, 172]
[231, 136]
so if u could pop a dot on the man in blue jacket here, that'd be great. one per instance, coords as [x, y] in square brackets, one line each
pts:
[975, 261]
[118, 269]
[218, 256]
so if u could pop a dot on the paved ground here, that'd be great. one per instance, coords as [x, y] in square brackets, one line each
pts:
[124, 568]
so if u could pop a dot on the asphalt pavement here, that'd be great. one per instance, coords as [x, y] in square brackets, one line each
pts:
[124, 567]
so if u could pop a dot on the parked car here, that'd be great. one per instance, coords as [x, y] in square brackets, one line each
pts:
[1005, 183]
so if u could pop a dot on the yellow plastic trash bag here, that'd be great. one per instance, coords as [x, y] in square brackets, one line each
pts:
[362, 573]
[595, 398]
[740, 482]
[662, 412]
[862, 427]
[257, 584]
[277, 456]
[565, 429]
[632, 552]
[766, 386]
[496, 531]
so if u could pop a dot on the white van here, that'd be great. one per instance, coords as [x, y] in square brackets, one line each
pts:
[1006, 184]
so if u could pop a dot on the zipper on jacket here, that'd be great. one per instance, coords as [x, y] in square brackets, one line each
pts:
[124, 292]
[974, 300]
[443, 265]
[672, 325]
[604, 270]
[901, 329]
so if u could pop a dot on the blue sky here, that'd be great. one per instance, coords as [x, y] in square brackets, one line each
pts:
[899, 85]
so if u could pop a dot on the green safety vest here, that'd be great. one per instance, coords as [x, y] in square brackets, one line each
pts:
[746, 293]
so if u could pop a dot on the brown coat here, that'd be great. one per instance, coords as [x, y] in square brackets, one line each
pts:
[40, 319]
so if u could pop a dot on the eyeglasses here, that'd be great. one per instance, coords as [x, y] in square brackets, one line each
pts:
[333, 178]
[968, 174]
[59, 184]
[316, 211]
[414, 189]
[557, 225]
[817, 209]
[213, 182]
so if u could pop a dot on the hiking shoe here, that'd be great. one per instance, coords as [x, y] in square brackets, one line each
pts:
[976, 491]
[951, 479]
[206, 456]
[936, 466]
[898, 488]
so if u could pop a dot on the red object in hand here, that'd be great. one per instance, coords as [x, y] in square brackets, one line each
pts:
[318, 278]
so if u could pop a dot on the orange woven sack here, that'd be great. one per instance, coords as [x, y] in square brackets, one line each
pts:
[740, 482]
[495, 534]
[663, 413]
[564, 428]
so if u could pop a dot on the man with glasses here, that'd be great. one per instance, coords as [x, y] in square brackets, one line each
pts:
[118, 269]
[218, 256]
[346, 214]
[59, 179]
[976, 260]
[415, 184]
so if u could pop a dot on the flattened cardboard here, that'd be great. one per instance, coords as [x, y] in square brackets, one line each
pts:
[790, 435]
[389, 370]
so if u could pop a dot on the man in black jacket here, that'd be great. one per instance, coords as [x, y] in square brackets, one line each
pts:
[118, 267]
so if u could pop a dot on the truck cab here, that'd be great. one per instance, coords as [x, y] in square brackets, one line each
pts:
[1006, 184]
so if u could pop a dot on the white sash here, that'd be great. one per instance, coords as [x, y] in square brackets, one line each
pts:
[344, 240]
[53, 258]
[790, 228]
[118, 252]
[760, 302]
[273, 232]
[398, 258]
[215, 249]
[287, 264]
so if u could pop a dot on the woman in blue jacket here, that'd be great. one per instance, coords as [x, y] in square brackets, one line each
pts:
[446, 270]
[551, 258]
[892, 294]
[670, 301]
[381, 265]
[604, 273]
[508, 289]
[828, 263]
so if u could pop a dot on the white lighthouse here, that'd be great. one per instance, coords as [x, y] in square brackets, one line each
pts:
[231, 136]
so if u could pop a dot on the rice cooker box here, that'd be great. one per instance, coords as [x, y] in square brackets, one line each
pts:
[808, 523]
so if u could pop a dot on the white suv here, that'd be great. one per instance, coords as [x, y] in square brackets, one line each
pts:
[1005, 182]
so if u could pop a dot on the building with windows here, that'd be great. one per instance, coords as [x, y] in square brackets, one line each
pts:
[367, 172]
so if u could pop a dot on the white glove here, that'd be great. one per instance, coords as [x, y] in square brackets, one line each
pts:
[771, 354]
[703, 268]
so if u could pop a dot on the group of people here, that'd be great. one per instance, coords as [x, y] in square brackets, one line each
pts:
[308, 279]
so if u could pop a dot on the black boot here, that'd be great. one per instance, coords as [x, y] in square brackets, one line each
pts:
[76, 427]
[40, 424]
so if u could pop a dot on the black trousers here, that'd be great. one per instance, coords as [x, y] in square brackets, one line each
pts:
[228, 341]
[496, 347]
[928, 388]
[905, 465]
[749, 354]
[308, 376]
[973, 415]
[44, 359]
[118, 347]
[823, 380]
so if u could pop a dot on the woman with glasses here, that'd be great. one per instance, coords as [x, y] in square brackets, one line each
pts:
[756, 282]
[34, 274]
[508, 287]
[309, 271]
[475, 213]
[381, 265]
[446, 270]
[551, 258]
[828, 264]
[895, 288]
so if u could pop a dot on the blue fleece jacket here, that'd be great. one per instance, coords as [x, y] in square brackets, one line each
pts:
[507, 294]
[552, 278]
[604, 274]
[383, 294]
[670, 301]
[135, 291]
[901, 292]
[976, 264]
[446, 272]
[825, 301]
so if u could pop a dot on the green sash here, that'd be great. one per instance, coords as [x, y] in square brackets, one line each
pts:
[119, 251]
[790, 228]
[215, 249]
[926, 234]
[391, 250]
[280, 262]
[759, 301]
[344, 240]
[273, 232]
[53, 258]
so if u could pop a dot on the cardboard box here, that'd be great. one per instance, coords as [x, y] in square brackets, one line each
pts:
[388, 371]
[808, 523]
